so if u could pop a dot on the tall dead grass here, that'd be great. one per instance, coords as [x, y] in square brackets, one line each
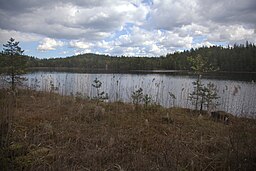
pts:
[53, 132]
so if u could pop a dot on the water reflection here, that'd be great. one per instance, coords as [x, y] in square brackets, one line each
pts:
[237, 97]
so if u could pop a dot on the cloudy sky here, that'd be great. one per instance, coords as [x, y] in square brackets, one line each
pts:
[59, 28]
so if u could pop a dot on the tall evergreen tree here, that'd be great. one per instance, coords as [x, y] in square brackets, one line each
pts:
[13, 63]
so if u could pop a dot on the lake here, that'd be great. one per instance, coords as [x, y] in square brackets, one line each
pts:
[237, 93]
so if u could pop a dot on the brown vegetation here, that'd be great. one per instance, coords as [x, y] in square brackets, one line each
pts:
[45, 131]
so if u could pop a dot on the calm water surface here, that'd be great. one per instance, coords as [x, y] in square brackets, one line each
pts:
[236, 97]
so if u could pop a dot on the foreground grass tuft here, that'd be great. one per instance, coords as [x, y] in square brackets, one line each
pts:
[45, 131]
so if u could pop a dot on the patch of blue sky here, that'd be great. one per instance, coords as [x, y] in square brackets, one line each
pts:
[199, 39]
[31, 50]
[223, 44]
[29, 47]
[148, 2]
[127, 29]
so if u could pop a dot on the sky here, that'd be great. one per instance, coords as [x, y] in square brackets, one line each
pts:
[60, 28]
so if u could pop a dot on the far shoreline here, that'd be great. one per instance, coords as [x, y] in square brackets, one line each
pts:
[223, 75]
[81, 70]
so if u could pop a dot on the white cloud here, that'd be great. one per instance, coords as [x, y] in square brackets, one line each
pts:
[141, 42]
[192, 29]
[232, 34]
[18, 36]
[205, 44]
[104, 44]
[78, 52]
[172, 39]
[80, 44]
[49, 44]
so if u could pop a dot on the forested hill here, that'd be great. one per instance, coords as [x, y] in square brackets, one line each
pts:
[239, 58]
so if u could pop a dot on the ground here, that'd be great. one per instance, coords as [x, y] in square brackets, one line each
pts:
[46, 131]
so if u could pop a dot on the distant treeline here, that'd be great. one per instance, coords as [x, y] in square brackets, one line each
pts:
[239, 58]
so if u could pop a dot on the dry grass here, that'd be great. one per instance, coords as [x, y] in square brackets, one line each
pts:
[51, 132]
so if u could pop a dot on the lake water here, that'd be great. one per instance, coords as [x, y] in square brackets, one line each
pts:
[236, 96]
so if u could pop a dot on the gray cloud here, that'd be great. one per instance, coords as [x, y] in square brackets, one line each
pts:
[19, 36]
[69, 19]
[21, 6]
[229, 11]
[168, 14]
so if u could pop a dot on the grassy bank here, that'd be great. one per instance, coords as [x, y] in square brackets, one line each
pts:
[44, 131]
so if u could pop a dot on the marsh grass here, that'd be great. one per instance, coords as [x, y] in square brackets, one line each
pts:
[54, 132]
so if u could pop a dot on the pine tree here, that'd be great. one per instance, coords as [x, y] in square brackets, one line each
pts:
[198, 66]
[13, 63]
[196, 97]
[201, 94]
[210, 96]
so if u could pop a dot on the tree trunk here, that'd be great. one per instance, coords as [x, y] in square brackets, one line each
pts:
[13, 80]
